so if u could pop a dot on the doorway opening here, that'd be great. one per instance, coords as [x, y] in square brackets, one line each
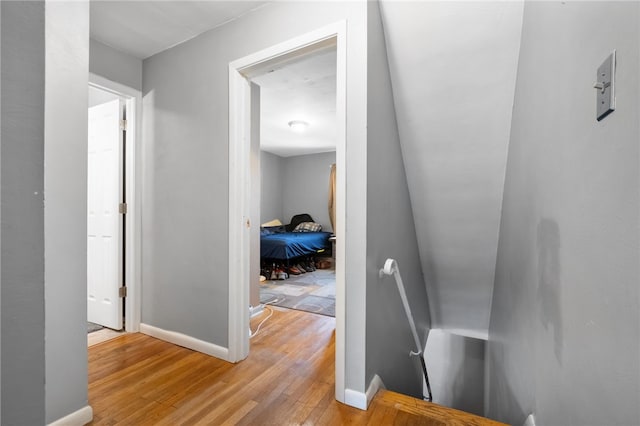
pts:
[106, 208]
[294, 198]
[112, 217]
[244, 181]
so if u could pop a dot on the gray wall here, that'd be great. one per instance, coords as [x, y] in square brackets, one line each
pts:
[185, 135]
[0, 216]
[294, 185]
[21, 210]
[254, 214]
[456, 367]
[390, 233]
[305, 187]
[65, 213]
[565, 324]
[271, 181]
[44, 364]
[115, 65]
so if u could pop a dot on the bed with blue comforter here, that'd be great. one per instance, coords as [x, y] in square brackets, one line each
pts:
[288, 245]
[293, 240]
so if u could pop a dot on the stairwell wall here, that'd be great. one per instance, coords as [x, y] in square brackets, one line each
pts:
[565, 323]
[391, 233]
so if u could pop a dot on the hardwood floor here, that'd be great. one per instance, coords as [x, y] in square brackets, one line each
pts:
[288, 379]
[102, 336]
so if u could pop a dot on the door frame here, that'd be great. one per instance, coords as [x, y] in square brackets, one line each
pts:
[240, 185]
[133, 218]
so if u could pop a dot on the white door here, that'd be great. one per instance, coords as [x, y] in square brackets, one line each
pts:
[104, 222]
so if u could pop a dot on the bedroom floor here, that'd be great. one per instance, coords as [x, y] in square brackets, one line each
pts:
[311, 292]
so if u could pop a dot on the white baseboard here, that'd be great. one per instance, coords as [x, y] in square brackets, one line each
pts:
[185, 341]
[375, 385]
[256, 310]
[530, 420]
[361, 400]
[355, 399]
[77, 418]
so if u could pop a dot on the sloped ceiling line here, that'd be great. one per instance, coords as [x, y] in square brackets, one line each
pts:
[453, 68]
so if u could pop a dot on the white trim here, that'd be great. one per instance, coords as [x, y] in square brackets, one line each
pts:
[77, 418]
[133, 169]
[294, 47]
[530, 420]
[375, 385]
[254, 311]
[185, 341]
[239, 167]
[362, 400]
[341, 209]
[355, 399]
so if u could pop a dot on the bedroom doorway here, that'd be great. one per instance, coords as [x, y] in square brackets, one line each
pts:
[244, 107]
[297, 151]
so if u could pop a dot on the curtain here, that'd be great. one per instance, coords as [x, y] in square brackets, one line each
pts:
[332, 197]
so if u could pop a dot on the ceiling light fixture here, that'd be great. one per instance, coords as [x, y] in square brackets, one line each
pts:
[298, 125]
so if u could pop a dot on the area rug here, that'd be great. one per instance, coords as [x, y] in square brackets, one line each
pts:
[91, 327]
[311, 292]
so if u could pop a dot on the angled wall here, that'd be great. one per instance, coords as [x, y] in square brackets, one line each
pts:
[564, 341]
[390, 233]
[453, 69]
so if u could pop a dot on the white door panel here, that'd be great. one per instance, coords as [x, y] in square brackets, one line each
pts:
[104, 222]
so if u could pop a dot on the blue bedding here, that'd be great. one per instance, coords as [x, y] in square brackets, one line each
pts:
[288, 245]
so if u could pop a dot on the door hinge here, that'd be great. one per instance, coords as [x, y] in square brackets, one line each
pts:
[123, 125]
[122, 208]
[122, 292]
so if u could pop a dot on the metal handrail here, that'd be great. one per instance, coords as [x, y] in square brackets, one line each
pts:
[391, 268]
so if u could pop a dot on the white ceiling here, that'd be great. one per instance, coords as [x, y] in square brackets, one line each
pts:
[304, 90]
[300, 90]
[144, 28]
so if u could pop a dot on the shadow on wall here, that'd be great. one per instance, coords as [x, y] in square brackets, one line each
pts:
[502, 395]
[456, 370]
[549, 281]
[468, 380]
[430, 274]
[399, 371]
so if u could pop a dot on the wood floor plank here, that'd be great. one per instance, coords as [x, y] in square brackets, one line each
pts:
[288, 378]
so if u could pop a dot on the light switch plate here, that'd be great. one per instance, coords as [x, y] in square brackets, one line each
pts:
[605, 87]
